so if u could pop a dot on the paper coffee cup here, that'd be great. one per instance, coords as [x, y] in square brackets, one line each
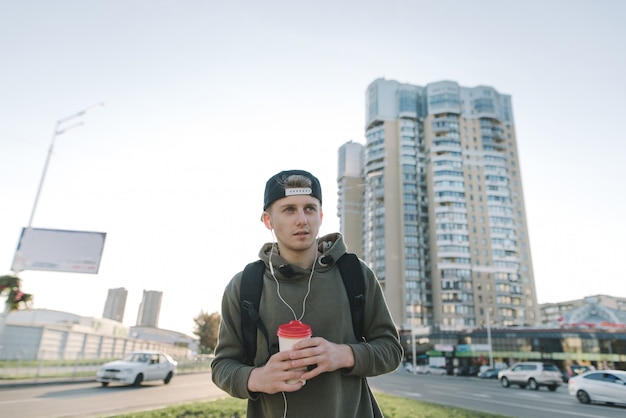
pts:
[291, 333]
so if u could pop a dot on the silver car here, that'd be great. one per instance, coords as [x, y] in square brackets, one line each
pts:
[599, 386]
[430, 369]
[533, 374]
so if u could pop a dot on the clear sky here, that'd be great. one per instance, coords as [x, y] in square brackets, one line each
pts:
[205, 100]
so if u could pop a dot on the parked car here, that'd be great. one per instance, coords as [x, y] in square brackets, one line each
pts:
[408, 367]
[138, 367]
[599, 386]
[575, 370]
[533, 374]
[465, 371]
[489, 374]
[430, 369]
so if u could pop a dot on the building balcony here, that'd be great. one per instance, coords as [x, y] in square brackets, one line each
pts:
[438, 127]
[446, 209]
[497, 133]
[453, 266]
[453, 254]
[497, 183]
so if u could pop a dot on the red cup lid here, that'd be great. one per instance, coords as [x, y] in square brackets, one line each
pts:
[294, 329]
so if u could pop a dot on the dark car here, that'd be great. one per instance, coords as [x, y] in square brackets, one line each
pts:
[465, 371]
[489, 374]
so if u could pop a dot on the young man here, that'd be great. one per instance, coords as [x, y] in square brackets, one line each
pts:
[302, 282]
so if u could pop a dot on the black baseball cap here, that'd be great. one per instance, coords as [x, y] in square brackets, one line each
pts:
[275, 187]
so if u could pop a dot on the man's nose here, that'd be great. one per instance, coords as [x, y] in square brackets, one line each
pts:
[302, 219]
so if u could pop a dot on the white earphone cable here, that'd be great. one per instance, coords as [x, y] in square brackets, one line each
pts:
[308, 291]
[278, 284]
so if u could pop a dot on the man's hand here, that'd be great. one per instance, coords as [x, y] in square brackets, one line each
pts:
[272, 378]
[324, 355]
[319, 352]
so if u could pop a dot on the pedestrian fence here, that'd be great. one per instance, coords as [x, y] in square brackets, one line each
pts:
[47, 365]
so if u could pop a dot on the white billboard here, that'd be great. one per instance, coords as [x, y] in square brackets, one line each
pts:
[59, 250]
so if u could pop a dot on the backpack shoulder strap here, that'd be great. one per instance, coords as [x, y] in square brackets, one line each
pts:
[250, 298]
[354, 282]
[252, 287]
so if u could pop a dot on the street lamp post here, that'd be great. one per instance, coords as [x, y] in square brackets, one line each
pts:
[489, 339]
[413, 349]
[58, 130]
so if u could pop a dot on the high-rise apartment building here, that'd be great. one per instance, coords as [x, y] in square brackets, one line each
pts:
[149, 309]
[443, 222]
[115, 304]
[350, 207]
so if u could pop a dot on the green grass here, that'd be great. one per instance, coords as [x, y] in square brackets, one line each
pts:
[392, 407]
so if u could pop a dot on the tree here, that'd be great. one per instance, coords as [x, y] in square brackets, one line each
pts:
[10, 285]
[207, 327]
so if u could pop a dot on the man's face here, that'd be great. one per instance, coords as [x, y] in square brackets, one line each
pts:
[296, 221]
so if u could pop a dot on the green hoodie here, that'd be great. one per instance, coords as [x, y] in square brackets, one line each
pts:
[342, 393]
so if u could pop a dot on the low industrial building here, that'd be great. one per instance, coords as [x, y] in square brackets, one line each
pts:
[42, 334]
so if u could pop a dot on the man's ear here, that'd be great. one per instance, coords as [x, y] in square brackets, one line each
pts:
[267, 220]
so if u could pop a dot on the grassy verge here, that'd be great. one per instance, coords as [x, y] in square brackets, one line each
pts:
[392, 407]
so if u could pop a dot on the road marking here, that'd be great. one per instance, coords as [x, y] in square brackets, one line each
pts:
[527, 406]
[410, 394]
[19, 401]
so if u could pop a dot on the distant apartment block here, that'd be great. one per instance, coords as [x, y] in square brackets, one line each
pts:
[437, 191]
[350, 204]
[115, 304]
[149, 309]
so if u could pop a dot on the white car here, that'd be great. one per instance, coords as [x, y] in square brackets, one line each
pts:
[599, 386]
[138, 367]
[430, 369]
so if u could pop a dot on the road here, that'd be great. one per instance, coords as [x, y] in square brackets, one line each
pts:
[91, 400]
[486, 395]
